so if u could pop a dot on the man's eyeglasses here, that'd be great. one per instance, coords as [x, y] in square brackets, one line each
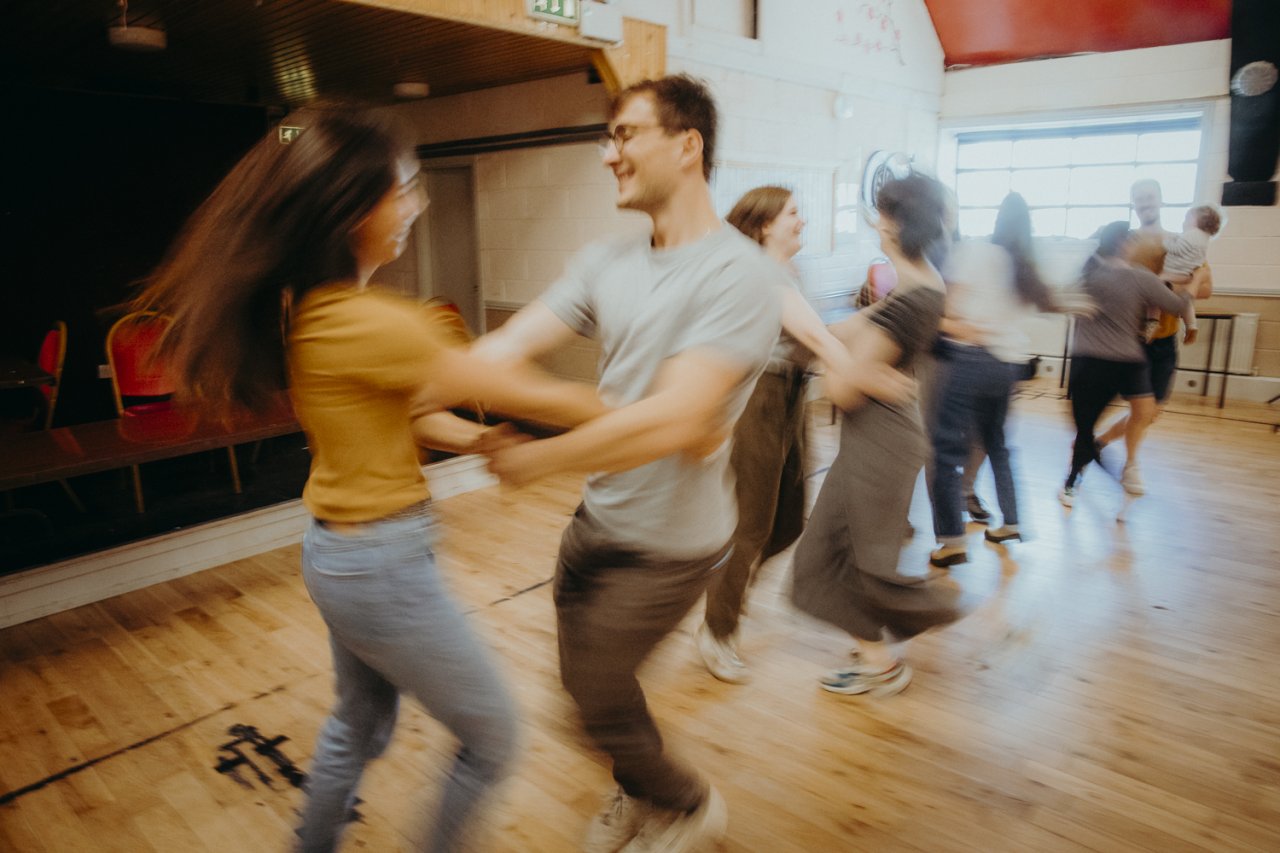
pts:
[621, 135]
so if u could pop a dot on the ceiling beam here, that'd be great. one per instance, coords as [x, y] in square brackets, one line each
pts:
[641, 55]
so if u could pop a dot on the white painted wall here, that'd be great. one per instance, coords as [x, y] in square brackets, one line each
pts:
[778, 97]
[826, 83]
[1246, 255]
[1101, 80]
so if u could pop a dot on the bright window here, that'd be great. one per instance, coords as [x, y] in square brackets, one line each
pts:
[1076, 178]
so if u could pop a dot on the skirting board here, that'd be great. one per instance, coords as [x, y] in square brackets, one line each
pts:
[93, 577]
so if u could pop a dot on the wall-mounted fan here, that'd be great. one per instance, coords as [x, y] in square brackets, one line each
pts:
[882, 167]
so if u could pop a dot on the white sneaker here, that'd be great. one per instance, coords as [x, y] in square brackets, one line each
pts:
[720, 656]
[1131, 479]
[678, 832]
[616, 824]
[856, 680]
[1067, 495]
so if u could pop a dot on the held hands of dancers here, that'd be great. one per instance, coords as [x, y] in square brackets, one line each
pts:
[1072, 300]
[514, 458]
[877, 380]
[886, 383]
[495, 439]
[845, 379]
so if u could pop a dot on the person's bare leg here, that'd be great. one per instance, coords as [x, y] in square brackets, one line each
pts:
[1119, 427]
[1142, 412]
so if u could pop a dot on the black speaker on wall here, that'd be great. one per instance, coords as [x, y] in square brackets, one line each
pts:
[1255, 103]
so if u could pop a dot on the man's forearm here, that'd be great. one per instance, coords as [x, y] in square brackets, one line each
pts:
[623, 439]
[529, 394]
[459, 378]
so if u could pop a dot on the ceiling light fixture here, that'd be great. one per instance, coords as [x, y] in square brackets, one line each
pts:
[408, 90]
[141, 39]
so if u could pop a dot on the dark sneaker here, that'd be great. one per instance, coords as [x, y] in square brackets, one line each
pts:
[977, 512]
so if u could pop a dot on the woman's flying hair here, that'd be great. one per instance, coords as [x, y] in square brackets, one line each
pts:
[1013, 234]
[277, 226]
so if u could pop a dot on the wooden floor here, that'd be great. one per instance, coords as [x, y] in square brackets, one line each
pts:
[1117, 687]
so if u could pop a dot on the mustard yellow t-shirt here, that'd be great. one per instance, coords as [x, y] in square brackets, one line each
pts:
[355, 359]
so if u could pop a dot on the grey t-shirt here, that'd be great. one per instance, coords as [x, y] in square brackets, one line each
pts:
[788, 353]
[1122, 294]
[645, 305]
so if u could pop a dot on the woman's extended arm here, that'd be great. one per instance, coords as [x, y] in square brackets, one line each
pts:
[869, 371]
[844, 381]
[457, 377]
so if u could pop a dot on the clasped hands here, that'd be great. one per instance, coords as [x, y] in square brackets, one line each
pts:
[513, 455]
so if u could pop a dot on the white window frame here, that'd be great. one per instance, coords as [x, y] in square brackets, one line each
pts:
[1197, 114]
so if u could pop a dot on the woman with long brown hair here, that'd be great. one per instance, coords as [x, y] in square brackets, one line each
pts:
[768, 439]
[992, 286]
[267, 288]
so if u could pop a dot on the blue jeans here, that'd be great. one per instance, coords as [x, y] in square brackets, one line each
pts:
[393, 628]
[972, 403]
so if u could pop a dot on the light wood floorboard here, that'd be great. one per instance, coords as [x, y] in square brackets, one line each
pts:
[1117, 686]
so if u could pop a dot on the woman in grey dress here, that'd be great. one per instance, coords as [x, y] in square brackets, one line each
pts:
[846, 565]
[768, 439]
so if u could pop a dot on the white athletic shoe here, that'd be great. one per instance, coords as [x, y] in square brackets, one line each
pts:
[1131, 479]
[720, 656]
[856, 680]
[616, 824]
[678, 832]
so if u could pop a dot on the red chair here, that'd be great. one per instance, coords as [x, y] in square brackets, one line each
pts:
[53, 352]
[141, 382]
[52, 355]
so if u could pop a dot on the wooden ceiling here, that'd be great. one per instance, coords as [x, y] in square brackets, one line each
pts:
[285, 52]
[988, 32]
[269, 52]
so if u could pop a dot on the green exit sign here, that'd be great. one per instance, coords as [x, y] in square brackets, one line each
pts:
[559, 11]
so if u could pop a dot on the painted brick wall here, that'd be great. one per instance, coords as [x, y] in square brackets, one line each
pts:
[1246, 255]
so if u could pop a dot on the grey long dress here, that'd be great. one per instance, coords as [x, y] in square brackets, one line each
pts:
[846, 565]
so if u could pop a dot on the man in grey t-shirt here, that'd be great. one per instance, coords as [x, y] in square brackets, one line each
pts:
[686, 322]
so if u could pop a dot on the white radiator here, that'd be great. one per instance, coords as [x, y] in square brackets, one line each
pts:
[1232, 348]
